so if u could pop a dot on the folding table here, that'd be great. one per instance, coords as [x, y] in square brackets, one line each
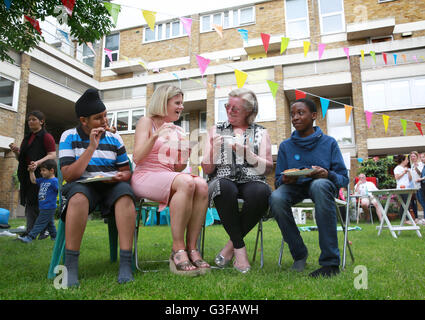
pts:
[398, 192]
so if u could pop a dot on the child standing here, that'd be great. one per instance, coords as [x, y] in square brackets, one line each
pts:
[47, 195]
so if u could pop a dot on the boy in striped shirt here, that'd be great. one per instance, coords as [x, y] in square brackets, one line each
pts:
[87, 151]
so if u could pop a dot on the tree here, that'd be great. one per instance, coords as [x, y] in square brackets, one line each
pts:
[381, 169]
[89, 21]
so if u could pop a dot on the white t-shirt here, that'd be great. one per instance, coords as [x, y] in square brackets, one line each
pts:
[364, 188]
[404, 180]
[415, 175]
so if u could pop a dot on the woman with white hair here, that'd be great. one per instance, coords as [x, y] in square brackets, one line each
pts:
[237, 157]
[160, 154]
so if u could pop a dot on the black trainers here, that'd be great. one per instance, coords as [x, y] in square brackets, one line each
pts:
[299, 265]
[43, 235]
[326, 272]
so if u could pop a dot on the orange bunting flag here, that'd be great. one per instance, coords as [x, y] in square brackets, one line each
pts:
[348, 110]
[299, 94]
[306, 47]
[386, 119]
[218, 29]
[266, 39]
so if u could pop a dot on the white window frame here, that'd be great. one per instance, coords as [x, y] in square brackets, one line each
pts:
[182, 31]
[307, 18]
[342, 13]
[81, 56]
[105, 56]
[201, 130]
[342, 123]
[130, 118]
[232, 23]
[15, 98]
[412, 104]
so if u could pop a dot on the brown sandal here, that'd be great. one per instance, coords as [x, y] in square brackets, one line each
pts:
[201, 264]
[182, 268]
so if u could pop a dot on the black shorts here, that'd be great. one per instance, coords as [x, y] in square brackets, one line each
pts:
[101, 196]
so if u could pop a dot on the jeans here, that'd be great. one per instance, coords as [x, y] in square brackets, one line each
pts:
[420, 197]
[44, 219]
[322, 192]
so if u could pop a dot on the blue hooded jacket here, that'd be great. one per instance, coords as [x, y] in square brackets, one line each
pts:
[317, 149]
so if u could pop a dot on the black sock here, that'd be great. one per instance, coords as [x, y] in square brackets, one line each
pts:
[71, 264]
[125, 273]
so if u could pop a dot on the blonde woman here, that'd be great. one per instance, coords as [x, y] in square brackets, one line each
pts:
[416, 167]
[160, 156]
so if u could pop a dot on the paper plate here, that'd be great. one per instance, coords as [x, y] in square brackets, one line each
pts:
[89, 180]
[302, 172]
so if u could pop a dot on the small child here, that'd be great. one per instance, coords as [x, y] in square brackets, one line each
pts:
[46, 200]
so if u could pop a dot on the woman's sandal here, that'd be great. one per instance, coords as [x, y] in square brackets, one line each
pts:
[183, 268]
[201, 264]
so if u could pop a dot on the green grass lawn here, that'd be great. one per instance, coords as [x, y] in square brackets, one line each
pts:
[395, 269]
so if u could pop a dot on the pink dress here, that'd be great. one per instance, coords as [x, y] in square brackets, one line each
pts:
[152, 178]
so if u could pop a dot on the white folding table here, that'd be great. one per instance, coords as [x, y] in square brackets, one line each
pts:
[398, 192]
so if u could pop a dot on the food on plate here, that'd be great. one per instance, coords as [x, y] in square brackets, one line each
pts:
[291, 170]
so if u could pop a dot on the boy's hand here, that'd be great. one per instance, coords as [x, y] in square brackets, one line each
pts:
[317, 173]
[95, 135]
[32, 166]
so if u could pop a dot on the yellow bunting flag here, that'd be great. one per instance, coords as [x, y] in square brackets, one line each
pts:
[306, 47]
[385, 118]
[348, 110]
[284, 44]
[273, 87]
[362, 53]
[240, 78]
[150, 18]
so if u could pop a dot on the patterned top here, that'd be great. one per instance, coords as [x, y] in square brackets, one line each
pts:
[233, 166]
[108, 157]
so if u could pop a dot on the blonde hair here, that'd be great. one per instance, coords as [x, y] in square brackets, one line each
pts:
[158, 104]
[417, 156]
[250, 102]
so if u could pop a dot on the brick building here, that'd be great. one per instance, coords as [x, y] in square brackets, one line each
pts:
[51, 77]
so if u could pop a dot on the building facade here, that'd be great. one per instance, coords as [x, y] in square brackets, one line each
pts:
[373, 60]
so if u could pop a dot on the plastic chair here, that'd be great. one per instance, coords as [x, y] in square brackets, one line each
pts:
[374, 180]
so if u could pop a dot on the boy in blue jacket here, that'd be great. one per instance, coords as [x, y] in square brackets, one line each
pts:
[309, 148]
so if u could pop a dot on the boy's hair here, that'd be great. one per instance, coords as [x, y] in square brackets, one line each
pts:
[49, 165]
[309, 103]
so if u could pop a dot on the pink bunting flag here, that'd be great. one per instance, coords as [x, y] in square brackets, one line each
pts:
[266, 40]
[202, 63]
[34, 23]
[368, 117]
[90, 45]
[69, 6]
[299, 94]
[187, 25]
[414, 58]
[109, 54]
[321, 48]
[347, 52]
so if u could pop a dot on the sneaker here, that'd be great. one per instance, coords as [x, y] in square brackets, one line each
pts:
[43, 236]
[299, 265]
[25, 239]
[326, 272]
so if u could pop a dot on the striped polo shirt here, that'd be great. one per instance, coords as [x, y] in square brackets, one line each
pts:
[109, 156]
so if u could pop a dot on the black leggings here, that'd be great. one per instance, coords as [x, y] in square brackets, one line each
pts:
[256, 202]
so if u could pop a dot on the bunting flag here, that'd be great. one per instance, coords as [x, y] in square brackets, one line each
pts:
[306, 47]
[150, 18]
[348, 110]
[34, 23]
[114, 10]
[362, 54]
[347, 52]
[360, 160]
[300, 94]
[384, 56]
[109, 54]
[325, 105]
[244, 34]
[64, 34]
[218, 29]
[143, 64]
[395, 58]
[373, 54]
[368, 118]
[240, 78]
[273, 87]
[283, 44]
[69, 6]
[187, 25]
[404, 57]
[321, 49]
[202, 63]
[266, 40]
[90, 45]
[403, 125]
[419, 125]
[386, 119]
[7, 3]
[414, 58]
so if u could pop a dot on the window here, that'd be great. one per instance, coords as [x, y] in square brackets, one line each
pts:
[164, 31]
[394, 94]
[125, 120]
[112, 42]
[88, 55]
[9, 90]
[183, 122]
[297, 25]
[338, 128]
[228, 19]
[203, 121]
[331, 14]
